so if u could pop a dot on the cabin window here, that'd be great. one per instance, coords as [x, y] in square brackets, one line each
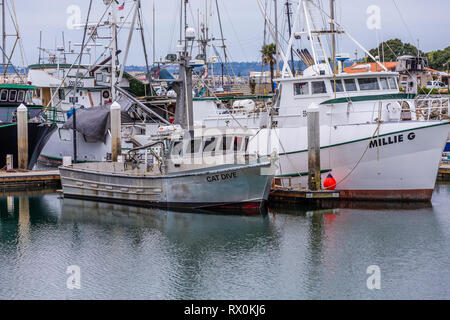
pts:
[301, 88]
[73, 100]
[99, 77]
[318, 87]
[21, 96]
[29, 97]
[210, 145]
[226, 143]
[61, 94]
[238, 143]
[247, 141]
[12, 95]
[37, 93]
[350, 85]
[393, 83]
[4, 95]
[194, 146]
[366, 84]
[177, 149]
[384, 83]
[339, 86]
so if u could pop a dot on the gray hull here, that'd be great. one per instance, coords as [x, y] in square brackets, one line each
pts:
[230, 188]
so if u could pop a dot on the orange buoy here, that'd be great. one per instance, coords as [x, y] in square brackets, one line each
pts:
[329, 183]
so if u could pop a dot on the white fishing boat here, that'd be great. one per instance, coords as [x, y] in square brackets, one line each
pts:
[377, 142]
[81, 77]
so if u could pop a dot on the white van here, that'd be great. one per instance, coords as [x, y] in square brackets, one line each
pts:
[435, 84]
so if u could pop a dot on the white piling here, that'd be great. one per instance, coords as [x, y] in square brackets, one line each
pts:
[22, 136]
[314, 178]
[67, 161]
[116, 139]
[9, 162]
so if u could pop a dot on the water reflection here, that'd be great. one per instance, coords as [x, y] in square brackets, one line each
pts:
[291, 253]
[189, 251]
[24, 221]
[177, 226]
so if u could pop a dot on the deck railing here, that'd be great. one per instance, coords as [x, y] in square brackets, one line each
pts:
[48, 114]
[433, 108]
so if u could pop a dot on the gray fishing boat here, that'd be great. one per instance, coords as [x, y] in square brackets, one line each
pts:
[179, 166]
[181, 170]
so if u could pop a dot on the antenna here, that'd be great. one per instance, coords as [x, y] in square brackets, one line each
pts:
[40, 46]
[3, 32]
[277, 44]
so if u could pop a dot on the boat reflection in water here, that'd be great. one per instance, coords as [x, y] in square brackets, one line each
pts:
[175, 224]
[140, 253]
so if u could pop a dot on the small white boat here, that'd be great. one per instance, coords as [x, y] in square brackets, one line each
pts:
[180, 171]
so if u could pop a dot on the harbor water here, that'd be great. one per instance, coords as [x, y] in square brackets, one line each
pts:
[121, 252]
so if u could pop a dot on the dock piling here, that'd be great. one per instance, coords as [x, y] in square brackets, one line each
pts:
[116, 139]
[9, 162]
[67, 161]
[22, 136]
[314, 179]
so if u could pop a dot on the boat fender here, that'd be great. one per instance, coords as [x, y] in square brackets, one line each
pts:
[329, 183]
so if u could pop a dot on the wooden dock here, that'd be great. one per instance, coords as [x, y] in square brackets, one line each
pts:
[21, 180]
[282, 196]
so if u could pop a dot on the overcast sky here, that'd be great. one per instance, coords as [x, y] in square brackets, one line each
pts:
[427, 20]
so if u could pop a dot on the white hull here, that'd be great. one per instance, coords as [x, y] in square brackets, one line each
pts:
[407, 164]
[60, 145]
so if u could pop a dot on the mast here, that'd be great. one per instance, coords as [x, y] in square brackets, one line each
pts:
[183, 87]
[277, 44]
[113, 50]
[333, 35]
[289, 12]
[40, 46]
[141, 26]
[3, 34]
[223, 40]
[154, 33]
[181, 20]
[333, 44]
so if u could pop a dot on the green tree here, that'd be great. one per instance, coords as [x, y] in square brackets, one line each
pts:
[439, 59]
[393, 49]
[268, 57]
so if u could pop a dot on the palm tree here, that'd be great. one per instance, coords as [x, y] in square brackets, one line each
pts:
[268, 57]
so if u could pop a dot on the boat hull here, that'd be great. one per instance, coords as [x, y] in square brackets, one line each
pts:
[38, 135]
[236, 189]
[60, 144]
[398, 164]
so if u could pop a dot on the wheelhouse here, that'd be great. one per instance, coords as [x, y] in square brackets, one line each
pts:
[210, 145]
[13, 95]
[362, 84]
